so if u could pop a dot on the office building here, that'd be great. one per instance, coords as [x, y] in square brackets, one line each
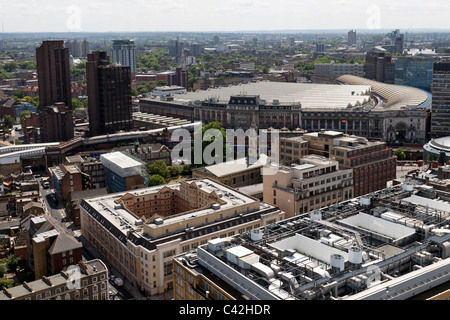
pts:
[122, 172]
[177, 77]
[313, 183]
[53, 70]
[351, 37]
[397, 41]
[440, 110]
[176, 48]
[124, 54]
[320, 47]
[196, 49]
[144, 229]
[92, 284]
[382, 247]
[78, 49]
[415, 71]
[109, 91]
[379, 66]
[56, 123]
[372, 162]
[335, 70]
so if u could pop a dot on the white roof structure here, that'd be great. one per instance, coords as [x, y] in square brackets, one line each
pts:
[308, 94]
[430, 203]
[309, 247]
[121, 164]
[235, 166]
[397, 96]
[378, 225]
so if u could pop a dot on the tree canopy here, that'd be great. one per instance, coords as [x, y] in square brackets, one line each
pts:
[208, 138]
[77, 104]
[156, 180]
[400, 153]
[23, 114]
[8, 121]
[160, 168]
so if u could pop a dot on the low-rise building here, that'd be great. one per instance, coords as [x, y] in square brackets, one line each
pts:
[122, 172]
[34, 208]
[335, 70]
[66, 179]
[85, 281]
[50, 246]
[168, 91]
[73, 205]
[312, 184]
[235, 173]
[148, 153]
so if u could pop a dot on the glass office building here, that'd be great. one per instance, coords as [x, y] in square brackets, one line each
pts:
[440, 106]
[414, 71]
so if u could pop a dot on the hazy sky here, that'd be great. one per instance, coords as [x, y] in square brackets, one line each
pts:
[225, 15]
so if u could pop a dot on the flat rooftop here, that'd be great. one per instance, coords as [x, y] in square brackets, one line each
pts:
[235, 166]
[125, 221]
[328, 254]
[121, 164]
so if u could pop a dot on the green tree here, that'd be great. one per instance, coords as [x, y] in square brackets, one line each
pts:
[134, 92]
[18, 94]
[12, 261]
[23, 114]
[10, 66]
[142, 89]
[400, 153]
[78, 70]
[3, 268]
[27, 65]
[8, 121]
[156, 180]
[5, 75]
[159, 167]
[174, 171]
[161, 83]
[6, 283]
[208, 138]
[76, 104]
[186, 169]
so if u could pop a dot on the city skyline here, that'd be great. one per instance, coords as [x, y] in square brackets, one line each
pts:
[214, 16]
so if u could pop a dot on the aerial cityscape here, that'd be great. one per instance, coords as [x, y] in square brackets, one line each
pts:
[173, 156]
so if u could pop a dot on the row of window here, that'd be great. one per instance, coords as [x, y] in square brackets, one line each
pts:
[76, 294]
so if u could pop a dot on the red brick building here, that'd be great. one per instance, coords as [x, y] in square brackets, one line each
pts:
[50, 247]
[373, 162]
[177, 77]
